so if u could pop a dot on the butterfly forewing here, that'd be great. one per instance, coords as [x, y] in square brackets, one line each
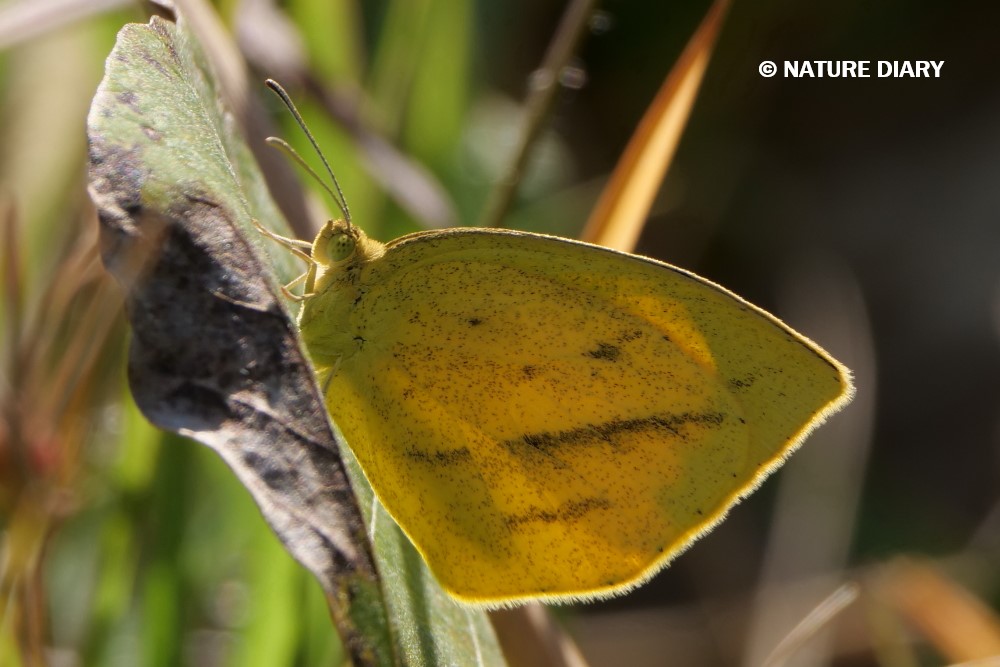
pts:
[550, 419]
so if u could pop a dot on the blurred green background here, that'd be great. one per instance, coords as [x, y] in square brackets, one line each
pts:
[866, 213]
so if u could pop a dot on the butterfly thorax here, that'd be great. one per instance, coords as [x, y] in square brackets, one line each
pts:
[340, 253]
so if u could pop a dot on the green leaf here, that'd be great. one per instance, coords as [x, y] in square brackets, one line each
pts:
[216, 357]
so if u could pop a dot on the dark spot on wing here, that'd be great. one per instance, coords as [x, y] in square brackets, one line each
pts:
[529, 371]
[605, 351]
[474, 321]
[745, 382]
[441, 458]
[629, 336]
[670, 424]
[572, 510]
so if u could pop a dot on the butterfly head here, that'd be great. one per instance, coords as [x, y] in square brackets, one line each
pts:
[340, 246]
[336, 242]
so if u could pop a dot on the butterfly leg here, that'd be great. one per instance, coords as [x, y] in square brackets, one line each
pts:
[290, 295]
[295, 245]
[324, 377]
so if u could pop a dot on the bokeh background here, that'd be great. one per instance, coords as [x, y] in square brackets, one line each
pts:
[866, 213]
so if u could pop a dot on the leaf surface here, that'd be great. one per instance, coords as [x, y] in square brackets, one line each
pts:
[215, 355]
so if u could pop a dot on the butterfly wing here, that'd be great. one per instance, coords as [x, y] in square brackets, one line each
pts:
[549, 419]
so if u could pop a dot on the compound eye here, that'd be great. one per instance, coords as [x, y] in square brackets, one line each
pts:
[341, 246]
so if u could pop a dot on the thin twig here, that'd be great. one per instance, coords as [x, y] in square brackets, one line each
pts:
[545, 84]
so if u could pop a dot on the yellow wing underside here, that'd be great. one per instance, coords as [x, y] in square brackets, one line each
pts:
[549, 419]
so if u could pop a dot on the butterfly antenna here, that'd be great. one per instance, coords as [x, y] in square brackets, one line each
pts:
[339, 196]
[277, 142]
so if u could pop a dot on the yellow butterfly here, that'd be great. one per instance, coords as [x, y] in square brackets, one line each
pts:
[548, 419]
